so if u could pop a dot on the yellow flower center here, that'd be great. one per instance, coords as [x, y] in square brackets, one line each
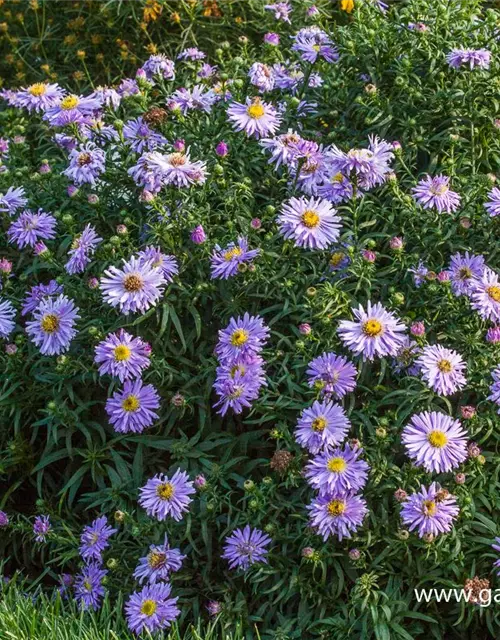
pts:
[256, 110]
[372, 328]
[50, 323]
[133, 282]
[494, 293]
[122, 353]
[316, 47]
[165, 491]
[338, 177]
[239, 337]
[347, 5]
[336, 465]
[238, 368]
[37, 89]
[232, 253]
[336, 258]
[310, 219]
[148, 607]
[156, 559]
[177, 159]
[87, 585]
[336, 507]
[131, 403]
[464, 273]
[429, 508]
[84, 159]
[69, 102]
[440, 190]
[319, 424]
[437, 439]
[444, 366]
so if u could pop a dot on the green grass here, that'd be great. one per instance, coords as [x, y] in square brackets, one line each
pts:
[22, 618]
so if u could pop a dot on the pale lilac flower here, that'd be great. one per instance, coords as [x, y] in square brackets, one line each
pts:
[86, 164]
[30, 227]
[435, 193]
[52, 329]
[485, 295]
[255, 117]
[311, 223]
[442, 369]
[162, 496]
[430, 510]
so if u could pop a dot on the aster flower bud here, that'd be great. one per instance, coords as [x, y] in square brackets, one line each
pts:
[354, 554]
[44, 168]
[307, 552]
[119, 516]
[200, 482]
[222, 149]
[369, 256]
[256, 223]
[465, 223]
[460, 478]
[400, 495]
[121, 230]
[473, 450]
[403, 534]
[380, 432]
[178, 400]
[443, 276]
[92, 283]
[72, 190]
[4, 519]
[468, 411]
[179, 145]
[493, 335]
[198, 235]
[249, 485]
[11, 349]
[481, 459]
[93, 198]
[5, 266]
[112, 564]
[396, 243]
[305, 328]
[417, 329]
[146, 196]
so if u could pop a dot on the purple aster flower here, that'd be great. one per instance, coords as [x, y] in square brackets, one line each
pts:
[107, 97]
[13, 200]
[151, 609]
[242, 338]
[283, 148]
[4, 519]
[82, 248]
[7, 315]
[430, 510]
[281, 10]
[176, 169]
[371, 166]
[86, 164]
[332, 374]
[375, 333]
[38, 293]
[272, 39]
[162, 496]
[322, 426]
[256, 118]
[245, 547]
[207, 71]
[310, 161]
[41, 528]
[337, 470]
[30, 227]
[128, 87]
[238, 384]
[159, 563]
[337, 514]
[435, 441]
[404, 362]
[495, 387]
[214, 608]
[464, 271]
[485, 295]
[339, 261]
[132, 408]
[88, 586]
[99, 132]
[225, 263]
[167, 264]
[313, 43]
[53, 326]
[140, 137]
[419, 274]
[159, 65]
[136, 287]
[493, 335]
[198, 235]
[442, 369]
[435, 193]
[493, 205]
[470, 58]
[39, 96]
[70, 109]
[148, 172]
[261, 76]
[336, 188]
[196, 98]
[191, 53]
[122, 355]
[94, 539]
[312, 222]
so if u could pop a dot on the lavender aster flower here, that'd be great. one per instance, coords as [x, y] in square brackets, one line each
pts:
[167, 264]
[464, 270]
[140, 137]
[41, 528]
[332, 374]
[4, 519]
[38, 293]
[31, 227]
[495, 387]
[337, 470]
[371, 166]
[136, 287]
[39, 96]
[322, 426]
[283, 148]
[151, 609]
[281, 10]
[337, 514]
[225, 263]
[261, 76]
[197, 98]
[493, 205]
[88, 586]
[86, 164]
[242, 338]
[470, 58]
[435, 193]
[375, 333]
[13, 200]
[70, 109]
[336, 188]
[430, 510]
[53, 326]
[256, 118]
[313, 43]
[82, 248]
[238, 384]
[159, 563]
[245, 547]
[442, 369]
[312, 223]
[107, 96]
[162, 496]
[420, 273]
[159, 65]
[94, 539]
[191, 53]
[132, 408]
[435, 441]
[7, 315]
[122, 355]
[485, 295]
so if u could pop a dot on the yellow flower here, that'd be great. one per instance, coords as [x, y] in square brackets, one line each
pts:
[347, 5]
[78, 75]
[152, 11]
[45, 68]
[152, 49]
[175, 17]
[80, 54]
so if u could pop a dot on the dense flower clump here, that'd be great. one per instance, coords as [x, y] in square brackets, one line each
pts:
[250, 317]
